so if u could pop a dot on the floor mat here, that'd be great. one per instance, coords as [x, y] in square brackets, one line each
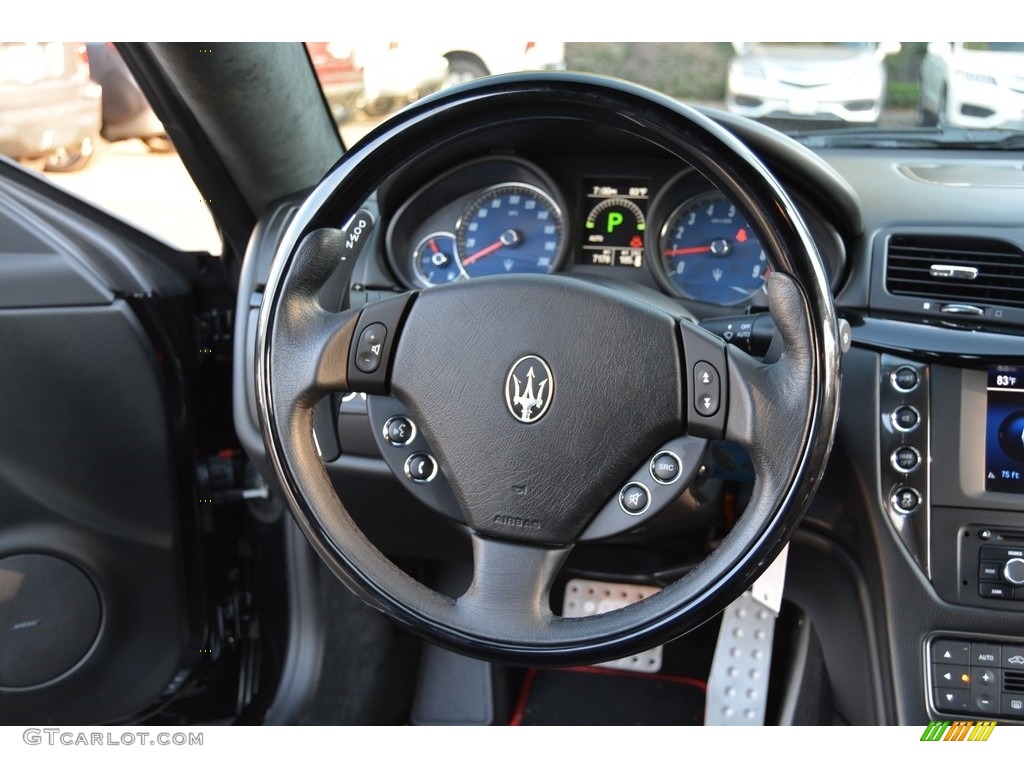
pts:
[595, 696]
[368, 673]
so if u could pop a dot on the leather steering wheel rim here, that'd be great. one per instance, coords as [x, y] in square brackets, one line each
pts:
[784, 413]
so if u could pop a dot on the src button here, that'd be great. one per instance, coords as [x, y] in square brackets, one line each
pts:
[665, 468]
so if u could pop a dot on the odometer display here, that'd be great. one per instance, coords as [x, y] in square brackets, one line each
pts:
[615, 224]
[710, 252]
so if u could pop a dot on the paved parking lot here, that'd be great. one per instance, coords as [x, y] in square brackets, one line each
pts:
[154, 192]
[151, 190]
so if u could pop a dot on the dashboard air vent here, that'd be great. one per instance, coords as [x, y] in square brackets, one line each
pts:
[1013, 681]
[956, 269]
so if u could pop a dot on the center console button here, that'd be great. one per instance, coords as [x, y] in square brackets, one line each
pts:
[985, 679]
[1013, 705]
[1012, 657]
[952, 699]
[906, 458]
[905, 500]
[985, 702]
[985, 655]
[904, 379]
[990, 570]
[905, 418]
[995, 552]
[951, 652]
[995, 591]
[950, 676]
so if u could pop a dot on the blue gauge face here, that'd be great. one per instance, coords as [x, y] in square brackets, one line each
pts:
[710, 252]
[434, 259]
[508, 229]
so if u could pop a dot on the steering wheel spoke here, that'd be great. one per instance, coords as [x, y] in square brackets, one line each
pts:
[511, 585]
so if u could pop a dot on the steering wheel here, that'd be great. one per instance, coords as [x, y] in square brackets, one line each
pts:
[613, 378]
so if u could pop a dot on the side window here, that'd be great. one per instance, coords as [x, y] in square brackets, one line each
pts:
[74, 112]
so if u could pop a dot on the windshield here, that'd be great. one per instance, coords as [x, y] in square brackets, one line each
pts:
[824, 93]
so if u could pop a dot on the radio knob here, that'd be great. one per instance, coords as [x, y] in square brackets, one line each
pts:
[1013, 571]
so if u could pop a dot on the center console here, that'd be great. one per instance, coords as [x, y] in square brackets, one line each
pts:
[951, 475]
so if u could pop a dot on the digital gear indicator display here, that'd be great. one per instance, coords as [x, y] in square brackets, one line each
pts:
[616, 222]
[1004, 430]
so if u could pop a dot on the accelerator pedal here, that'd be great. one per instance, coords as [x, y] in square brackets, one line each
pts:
[738, 684]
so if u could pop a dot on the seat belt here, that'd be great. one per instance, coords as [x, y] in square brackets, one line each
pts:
[737, 692]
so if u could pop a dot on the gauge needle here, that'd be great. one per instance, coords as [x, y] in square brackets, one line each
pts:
[481, 253]
[508, 237]
[688, 251]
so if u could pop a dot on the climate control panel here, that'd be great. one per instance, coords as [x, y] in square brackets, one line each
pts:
[978, 676]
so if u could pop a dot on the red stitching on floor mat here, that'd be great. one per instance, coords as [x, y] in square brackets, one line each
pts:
[524, 693]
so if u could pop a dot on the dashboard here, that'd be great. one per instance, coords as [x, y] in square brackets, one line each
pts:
[642, 220]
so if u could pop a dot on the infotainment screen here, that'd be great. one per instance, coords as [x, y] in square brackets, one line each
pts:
[1004, 431]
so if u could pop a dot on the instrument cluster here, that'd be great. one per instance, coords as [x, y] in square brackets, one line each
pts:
[667, 227]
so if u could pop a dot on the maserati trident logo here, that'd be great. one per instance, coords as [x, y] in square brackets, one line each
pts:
[529, 388]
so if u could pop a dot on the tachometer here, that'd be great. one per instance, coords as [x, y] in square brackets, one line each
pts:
[710, 253]
[510, 228]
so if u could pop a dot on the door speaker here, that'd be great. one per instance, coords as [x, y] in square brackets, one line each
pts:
[49, 618]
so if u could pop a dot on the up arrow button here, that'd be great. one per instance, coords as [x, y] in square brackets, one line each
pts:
[953, 652]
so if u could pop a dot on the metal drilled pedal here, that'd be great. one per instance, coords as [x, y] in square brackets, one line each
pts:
[738, 684]
[584, 597]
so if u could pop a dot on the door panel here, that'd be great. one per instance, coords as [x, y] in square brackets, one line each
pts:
[97, 490]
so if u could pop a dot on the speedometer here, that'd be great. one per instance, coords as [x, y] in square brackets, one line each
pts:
[710, 253]
[510, 228]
